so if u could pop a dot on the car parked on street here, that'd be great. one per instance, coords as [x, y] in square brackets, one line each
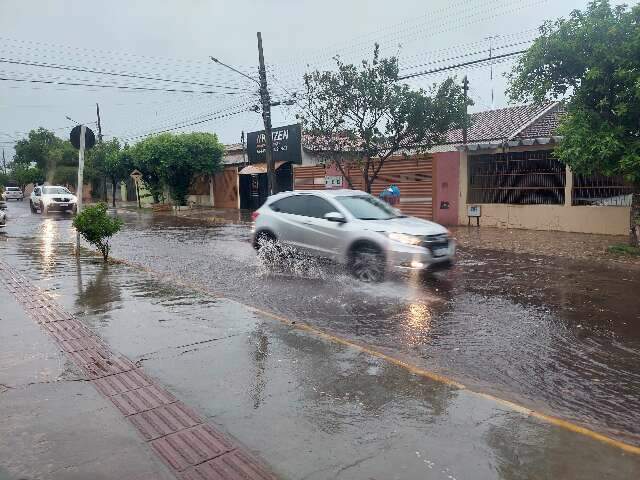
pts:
[12, 193]
[47, 198]
[354, 228]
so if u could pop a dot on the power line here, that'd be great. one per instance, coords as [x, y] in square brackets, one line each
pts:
[460, 65]
[123, 87]
[118, 74]
[178, 127]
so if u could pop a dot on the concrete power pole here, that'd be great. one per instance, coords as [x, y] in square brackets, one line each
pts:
[465, 89]
[104, 179]
[266, 117]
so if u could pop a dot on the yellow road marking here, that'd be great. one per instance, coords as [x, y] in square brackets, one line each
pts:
[564, 424]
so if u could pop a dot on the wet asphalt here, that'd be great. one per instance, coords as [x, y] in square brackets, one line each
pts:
[558, 336]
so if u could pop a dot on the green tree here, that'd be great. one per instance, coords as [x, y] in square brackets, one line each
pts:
[175, 160]
[117, 166]
[97, 227]
[36, 148]
[591, 59]
[364, 115]
[23, 174]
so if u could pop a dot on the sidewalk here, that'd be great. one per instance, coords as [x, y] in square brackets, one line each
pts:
[53, 434]
[579, 246]
[53, 423]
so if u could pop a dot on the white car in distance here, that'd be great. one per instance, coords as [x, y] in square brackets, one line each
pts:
[12, 193]
[47, 198]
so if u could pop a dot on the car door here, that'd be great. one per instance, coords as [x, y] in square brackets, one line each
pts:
[315, 234]
[288, 221]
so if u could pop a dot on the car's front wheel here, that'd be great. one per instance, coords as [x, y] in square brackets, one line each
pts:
[32, 207]
[367, 263]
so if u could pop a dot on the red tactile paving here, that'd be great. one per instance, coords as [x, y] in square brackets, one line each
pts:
[83, 343]
[234, 465]
[165, 420]
[99, 363]
[141, 400]
[121, 382]
[191, 447]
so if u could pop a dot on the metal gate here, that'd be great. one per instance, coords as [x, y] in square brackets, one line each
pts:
[413, 176]
[225, 188]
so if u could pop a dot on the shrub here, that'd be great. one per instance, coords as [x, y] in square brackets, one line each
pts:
[97, 227]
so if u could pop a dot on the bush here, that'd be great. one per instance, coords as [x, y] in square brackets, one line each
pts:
[97, 227]
[624, 249]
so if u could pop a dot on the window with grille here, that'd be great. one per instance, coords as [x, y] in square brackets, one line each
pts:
[600, 190]
[521, 178]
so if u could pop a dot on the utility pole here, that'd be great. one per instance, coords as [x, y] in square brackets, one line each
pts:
[79, 190]
[104, 179]
[266, 117]
[4, 163]
[99, 124]
[465, 89]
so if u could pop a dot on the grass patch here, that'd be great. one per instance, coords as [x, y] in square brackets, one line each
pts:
[623, 249]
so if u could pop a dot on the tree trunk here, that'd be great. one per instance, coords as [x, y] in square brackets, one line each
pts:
[634, 224]
[113, 193]
[104, 189]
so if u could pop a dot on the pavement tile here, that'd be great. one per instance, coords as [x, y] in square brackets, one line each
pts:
[122, 382]
[234, 465]
[84, 343]
[142, 399]
[165, 420]
[65, 330]
[191, 447]
[101, 363]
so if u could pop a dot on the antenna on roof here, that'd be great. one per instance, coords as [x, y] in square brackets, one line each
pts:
[490, 38]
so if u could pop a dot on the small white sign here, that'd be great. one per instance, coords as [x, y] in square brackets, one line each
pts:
[333, 181]
[473, 210]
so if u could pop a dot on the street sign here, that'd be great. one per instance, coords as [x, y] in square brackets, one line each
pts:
[89, 137]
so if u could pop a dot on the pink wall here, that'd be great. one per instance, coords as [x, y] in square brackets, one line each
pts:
[446, 187]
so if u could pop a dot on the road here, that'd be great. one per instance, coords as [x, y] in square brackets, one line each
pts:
[560, 337]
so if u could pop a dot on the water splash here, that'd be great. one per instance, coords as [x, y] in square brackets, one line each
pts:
[276, 258]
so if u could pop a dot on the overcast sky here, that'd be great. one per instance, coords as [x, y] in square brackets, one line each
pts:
[173, 39]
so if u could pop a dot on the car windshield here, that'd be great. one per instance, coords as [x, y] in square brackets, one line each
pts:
[55, 191]
[367, 207]
[13, 189]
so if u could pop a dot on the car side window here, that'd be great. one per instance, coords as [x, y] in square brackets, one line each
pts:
[316, 207]
[291, 205]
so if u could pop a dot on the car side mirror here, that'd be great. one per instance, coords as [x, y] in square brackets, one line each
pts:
[335, 217]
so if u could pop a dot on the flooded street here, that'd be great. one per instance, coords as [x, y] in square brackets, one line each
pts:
[554, 335]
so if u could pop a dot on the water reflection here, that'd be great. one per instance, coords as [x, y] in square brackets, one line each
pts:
[47, 249]
[99, 293]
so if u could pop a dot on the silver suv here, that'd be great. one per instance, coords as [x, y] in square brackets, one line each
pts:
[354, 228]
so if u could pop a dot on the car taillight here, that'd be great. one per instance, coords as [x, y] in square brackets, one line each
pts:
[254, 216]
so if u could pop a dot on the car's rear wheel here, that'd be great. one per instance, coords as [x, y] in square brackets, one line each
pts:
[262, 238]
[367, 263]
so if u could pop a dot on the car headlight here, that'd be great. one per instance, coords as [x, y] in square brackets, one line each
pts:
[405, 238]
[73, 200]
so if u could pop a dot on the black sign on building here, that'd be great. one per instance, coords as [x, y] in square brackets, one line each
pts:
[286, 145]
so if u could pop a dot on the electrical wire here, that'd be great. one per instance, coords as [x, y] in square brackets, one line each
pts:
[118, 74]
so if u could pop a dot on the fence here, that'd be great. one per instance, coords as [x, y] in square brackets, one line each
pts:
[521, 178]
[413, 176]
